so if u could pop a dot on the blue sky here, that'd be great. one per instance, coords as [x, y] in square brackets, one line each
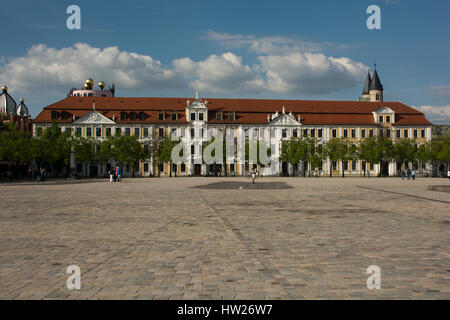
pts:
[247, 49]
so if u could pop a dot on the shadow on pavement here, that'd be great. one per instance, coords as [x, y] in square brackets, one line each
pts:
[245, 185]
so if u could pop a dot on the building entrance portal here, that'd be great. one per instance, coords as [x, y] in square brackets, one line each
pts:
[197, 169]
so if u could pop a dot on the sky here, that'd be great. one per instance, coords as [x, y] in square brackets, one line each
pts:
[311, 50]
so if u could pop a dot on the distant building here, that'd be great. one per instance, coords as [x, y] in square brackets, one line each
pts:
[10, 111]
[195, 120]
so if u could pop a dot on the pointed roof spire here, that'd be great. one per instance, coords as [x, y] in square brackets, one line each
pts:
[22, 110]
[376, 83]
[196, 95]
[367, 84]
[7, 103]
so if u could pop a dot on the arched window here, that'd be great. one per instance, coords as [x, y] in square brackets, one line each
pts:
[133, 116]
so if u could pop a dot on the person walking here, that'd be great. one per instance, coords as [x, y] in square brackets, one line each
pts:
[413, 174]
[115, 174]
[119, 174]
[408, 173]
[42, 174]
[403, 175]
[111, 175]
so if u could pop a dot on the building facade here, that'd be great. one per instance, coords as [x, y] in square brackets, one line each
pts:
[97, 113]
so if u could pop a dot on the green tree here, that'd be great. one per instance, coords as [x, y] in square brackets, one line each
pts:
[334, 151]
[85, 149]
[444, 153]
[404, 151]
[366, 152]
[53, 147]
[163, 152]
[128, 150]
[383, 152]
[16, 146]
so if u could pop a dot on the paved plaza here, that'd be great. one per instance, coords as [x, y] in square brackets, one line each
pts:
[224, 238]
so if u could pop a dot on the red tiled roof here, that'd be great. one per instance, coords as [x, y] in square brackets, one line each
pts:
[251, 111]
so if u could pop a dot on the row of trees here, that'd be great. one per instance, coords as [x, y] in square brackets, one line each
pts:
[54, 148]
[371, 150]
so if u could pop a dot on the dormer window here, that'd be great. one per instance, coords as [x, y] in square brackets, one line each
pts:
[123, 116]
[64, 115]
[133, 116]
[174, 116]
[388, 119]
[200, 116]
[380, 119]
[161, 115]
[219, 116]
[54, 115]
[192, 116]
[231, 116]
[141, 116]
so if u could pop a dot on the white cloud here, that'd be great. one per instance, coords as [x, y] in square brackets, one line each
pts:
[310, 73]
[442, 91]
[436, 114]
[44, 68]
[224, 73]
[269, 45]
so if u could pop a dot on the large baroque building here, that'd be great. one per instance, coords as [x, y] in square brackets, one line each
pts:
[98, 113]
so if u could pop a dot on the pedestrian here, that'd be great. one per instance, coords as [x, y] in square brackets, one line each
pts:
[115, 174]
[413, 174]
[253, 175]
[448, 173]
[119, 174]
[408, 173]
[30, 174]
[403, 175]
[111, 175]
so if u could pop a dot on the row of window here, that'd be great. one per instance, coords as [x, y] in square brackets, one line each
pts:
[381, 132]
[63, 115]
[108, 131]
[382, 119]
[346, 133]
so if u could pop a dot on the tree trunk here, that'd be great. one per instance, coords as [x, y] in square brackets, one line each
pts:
[365, 162]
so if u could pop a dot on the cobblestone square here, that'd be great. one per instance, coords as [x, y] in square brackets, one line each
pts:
[224, 238]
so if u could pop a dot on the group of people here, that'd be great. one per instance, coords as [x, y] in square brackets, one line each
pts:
[409, 174]
[115, 174]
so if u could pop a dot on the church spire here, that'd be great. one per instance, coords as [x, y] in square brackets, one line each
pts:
[367, 84]
[376, 83]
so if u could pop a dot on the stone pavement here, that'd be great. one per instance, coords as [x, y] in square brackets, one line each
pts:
[177, 238]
